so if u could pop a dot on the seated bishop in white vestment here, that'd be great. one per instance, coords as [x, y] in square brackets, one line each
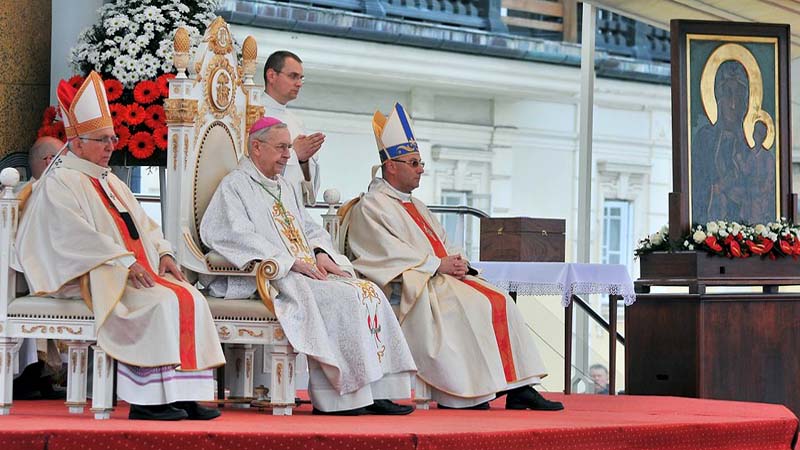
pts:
[358, 358]
[82, 221]
[468, 339]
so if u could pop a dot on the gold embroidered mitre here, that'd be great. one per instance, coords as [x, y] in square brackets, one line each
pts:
[86, 109]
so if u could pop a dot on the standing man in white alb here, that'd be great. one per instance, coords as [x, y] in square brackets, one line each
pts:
[283, 77]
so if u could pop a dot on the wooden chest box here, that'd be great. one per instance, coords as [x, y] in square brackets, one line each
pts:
[522, 239]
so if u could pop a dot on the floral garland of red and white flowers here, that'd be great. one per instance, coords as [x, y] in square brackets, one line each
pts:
[730, 239]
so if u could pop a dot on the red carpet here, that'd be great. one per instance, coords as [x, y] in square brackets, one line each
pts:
[589, 422]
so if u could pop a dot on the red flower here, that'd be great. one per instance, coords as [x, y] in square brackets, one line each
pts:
[141, 145]
[796, 247]
[712, 243]
[785, 246]
[163, 83]
[119, 113]
[146, 92]
[113, 89]
[736, 251]
[761, 248]
[135, 114]
[61, 134]
[124, 136]
[76, 81]
[154, 116]
[160, 137]
[49, 115]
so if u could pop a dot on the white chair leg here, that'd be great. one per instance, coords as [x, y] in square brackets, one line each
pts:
[77, 367]
[239, 372]
[282, 390]
[103, 384]
[422, 393]
[7, 349]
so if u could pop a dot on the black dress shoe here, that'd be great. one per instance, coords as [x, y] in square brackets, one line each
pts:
[195, 411]
[389, 408]
[156, 412]
[527, 397]
[345, 412]
[480, 406]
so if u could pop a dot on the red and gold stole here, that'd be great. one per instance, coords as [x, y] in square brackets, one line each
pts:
[188, 352]
[496, 299]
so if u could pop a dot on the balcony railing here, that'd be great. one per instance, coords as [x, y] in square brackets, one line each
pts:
[552, 20]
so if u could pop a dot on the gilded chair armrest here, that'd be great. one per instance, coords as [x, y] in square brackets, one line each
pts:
[266, 271]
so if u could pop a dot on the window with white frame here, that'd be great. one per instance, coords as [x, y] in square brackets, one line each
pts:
[617, 232]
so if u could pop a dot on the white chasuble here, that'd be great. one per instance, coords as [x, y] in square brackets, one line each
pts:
[468, 339]
[75, 223]
[345, 324]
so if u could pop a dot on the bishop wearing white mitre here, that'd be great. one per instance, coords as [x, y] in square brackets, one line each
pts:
[81, 220]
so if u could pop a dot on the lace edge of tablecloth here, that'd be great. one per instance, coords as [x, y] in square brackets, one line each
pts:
[579, 287]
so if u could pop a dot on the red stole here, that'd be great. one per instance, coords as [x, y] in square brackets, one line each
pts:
[188, 352]
[496, 299]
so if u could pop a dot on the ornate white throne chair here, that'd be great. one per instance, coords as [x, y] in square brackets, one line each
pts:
[209, 112]
[29, 316]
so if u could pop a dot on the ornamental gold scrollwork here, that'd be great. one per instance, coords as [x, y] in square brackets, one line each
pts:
[251, 333]
[219, 74]
[278, 334]
[254, 112]
[185, 150]
[180, 111]
[73, 360]
[84, 361]
[249, 367]
[291, 373]
[175, 151]
[5, 219]
[224, 332]
[13, 216]
[740, 54]
[279, 370]
[219, 37]
[34, 329]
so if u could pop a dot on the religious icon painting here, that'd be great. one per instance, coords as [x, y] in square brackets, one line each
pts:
[731, 136]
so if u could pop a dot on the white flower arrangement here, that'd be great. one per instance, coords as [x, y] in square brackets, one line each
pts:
[132, 40]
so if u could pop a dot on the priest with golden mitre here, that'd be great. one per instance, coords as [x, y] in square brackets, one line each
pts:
[82, 222]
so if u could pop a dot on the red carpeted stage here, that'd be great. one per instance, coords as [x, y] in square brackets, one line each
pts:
[589, 422]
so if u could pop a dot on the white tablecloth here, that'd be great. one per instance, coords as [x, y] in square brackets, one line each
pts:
[564, 279]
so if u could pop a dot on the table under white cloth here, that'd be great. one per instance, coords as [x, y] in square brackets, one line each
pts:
[563, 279]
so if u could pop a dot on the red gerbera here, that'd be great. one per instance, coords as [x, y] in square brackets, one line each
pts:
[119, 113]
[135, 114]
[160, 137]
[163, 83]
[124, 136]
[154, 116]
[113, 89]
[60, 133]
[49, 115]
[146, 92]
[76, 81]
[141, 145]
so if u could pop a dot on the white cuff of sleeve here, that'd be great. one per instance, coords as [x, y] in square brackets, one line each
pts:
[431, 265]
[126, 261]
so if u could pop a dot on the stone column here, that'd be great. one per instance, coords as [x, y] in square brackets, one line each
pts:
[25, 79]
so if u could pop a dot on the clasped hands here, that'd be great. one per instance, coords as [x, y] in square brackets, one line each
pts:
[320, 271]
[454, 265]
[141, 278]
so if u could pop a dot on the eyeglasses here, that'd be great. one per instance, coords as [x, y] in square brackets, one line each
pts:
[280, 147]
[113, 140]
[294, 76]
[414, 163]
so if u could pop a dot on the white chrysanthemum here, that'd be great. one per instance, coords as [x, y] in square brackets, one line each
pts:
[699, 236]
[772, 236]
[712, 227]
[657, 238]
[760, 229]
